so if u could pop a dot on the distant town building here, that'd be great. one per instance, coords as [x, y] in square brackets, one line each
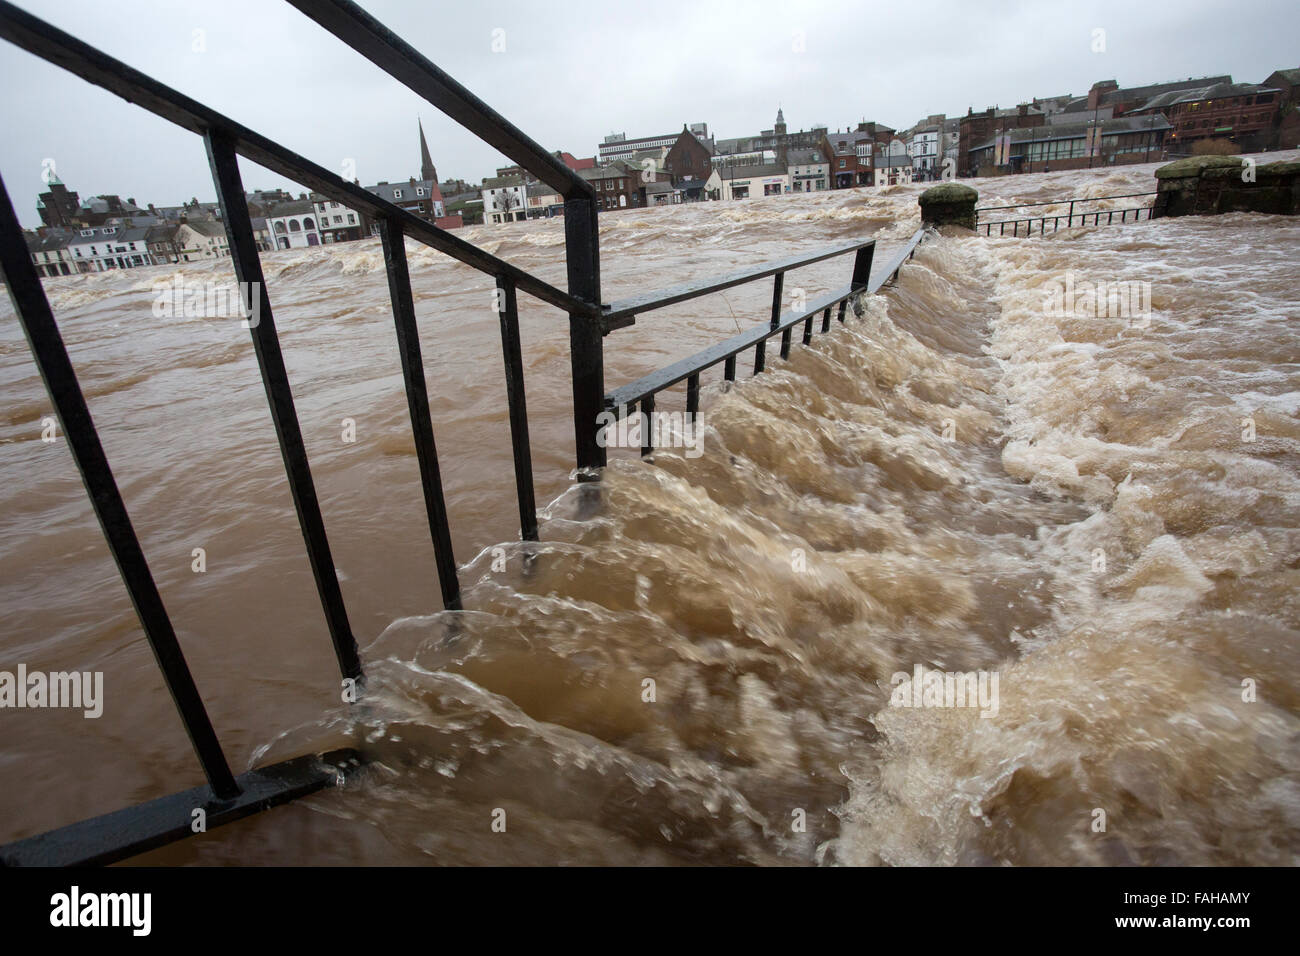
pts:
[808, 169]
[892, 166]
[1286, 121]
[849, 155]
[58, 207]
[978, 127]
[292, 226]
[619, 146]
[334, 221]
[50, 255]
[747, 182]
[505, 199]
[621, 185]
[196, 241]
[1119, 141]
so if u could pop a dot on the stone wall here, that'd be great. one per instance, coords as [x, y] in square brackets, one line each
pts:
[1210, 185]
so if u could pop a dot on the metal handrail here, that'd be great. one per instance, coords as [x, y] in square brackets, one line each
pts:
[664, 297]
[643, 390]
[1069, 220]
[1057, 202]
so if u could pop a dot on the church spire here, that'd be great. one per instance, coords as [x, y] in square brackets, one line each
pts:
[427, 169]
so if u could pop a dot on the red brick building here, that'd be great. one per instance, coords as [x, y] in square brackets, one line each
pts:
[688, 158]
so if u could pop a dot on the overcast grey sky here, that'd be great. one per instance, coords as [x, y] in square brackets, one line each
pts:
[573, 71]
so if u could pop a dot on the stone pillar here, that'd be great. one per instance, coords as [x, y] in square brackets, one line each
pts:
[1210, 185]
[949, 204]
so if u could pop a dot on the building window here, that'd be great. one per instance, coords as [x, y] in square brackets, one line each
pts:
[397, 194]
[419, 190]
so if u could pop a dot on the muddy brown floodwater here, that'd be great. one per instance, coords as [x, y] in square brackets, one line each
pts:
[1102, 511]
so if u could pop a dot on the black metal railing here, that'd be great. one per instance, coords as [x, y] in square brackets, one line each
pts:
[1129, 214]
[642, 392]
[227, 797]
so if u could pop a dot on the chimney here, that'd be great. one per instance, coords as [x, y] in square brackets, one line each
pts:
[1022, 109]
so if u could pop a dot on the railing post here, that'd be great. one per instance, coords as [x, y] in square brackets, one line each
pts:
[693, 397]
[647, 424]
[862, 266]
[52, 361]
[760, 351]
[417, 401]
[586, 337]
[275, 379]
[729, 369]
[518, 408]
[826, 320]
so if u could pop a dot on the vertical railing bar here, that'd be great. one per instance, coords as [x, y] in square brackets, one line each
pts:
[729, 369]
[52, 360]
[586, 336]
[844, 304]
[692, 397]
[826, 320]
[808, 329]
[760, 350]
[523, 455]
[417, 401]
[647, 427]
[275, 379]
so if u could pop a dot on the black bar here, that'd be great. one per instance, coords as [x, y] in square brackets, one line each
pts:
[807, 330]
[664, 297]
[778, 286]
[826, 320]
[248, 271]
[363, 33]
[586, 337]
[840, 315]
[724, 351]
[727, 350]
[146, 826]
[693, 396]
[1053, 202]
[515, 397]
[760, 355]
[647, 429]
[862, 265]
[33, 311]
[417, 403]
[67, 52]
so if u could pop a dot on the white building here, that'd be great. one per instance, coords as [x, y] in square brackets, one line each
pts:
[505, 199]
[110, 247]
[926, 154]
[294, 224]
[334, 221]
[750, 182]
[808, 169]
[893, 167]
